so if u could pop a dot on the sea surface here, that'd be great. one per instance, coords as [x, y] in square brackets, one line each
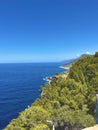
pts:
[20, 86]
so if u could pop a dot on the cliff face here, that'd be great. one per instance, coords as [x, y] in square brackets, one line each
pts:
[67, 102]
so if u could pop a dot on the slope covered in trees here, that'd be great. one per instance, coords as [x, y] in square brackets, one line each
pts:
[67, 102]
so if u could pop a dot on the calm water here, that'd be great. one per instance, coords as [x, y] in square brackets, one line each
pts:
[19, 86]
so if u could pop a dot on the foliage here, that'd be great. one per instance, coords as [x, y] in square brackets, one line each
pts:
[66, 101]
[41, 127]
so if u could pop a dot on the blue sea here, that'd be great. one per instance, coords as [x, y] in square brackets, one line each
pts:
[20, 86]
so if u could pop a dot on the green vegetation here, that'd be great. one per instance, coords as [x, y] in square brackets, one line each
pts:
[68, 102]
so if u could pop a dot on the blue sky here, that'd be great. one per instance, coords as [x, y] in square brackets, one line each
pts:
[47, 30]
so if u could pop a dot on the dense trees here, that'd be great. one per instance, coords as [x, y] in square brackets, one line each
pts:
[68, 102]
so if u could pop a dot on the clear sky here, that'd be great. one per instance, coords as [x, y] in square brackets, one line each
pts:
[47, 30]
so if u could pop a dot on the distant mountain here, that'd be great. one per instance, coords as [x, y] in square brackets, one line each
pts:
[69, 63]
[84, 55]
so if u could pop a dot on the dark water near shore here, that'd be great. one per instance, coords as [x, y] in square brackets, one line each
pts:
[19, 86]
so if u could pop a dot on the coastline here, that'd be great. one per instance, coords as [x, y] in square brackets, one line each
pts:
[64, 74]
[64, 67]
[34, 73]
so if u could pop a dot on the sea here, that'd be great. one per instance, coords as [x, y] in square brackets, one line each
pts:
[20, 86]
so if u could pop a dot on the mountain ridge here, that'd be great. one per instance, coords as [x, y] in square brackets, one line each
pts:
[72, 61]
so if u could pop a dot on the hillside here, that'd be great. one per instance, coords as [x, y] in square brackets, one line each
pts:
[72, 61]
[65, 102]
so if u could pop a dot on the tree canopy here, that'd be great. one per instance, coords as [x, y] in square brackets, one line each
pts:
[68, 102]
